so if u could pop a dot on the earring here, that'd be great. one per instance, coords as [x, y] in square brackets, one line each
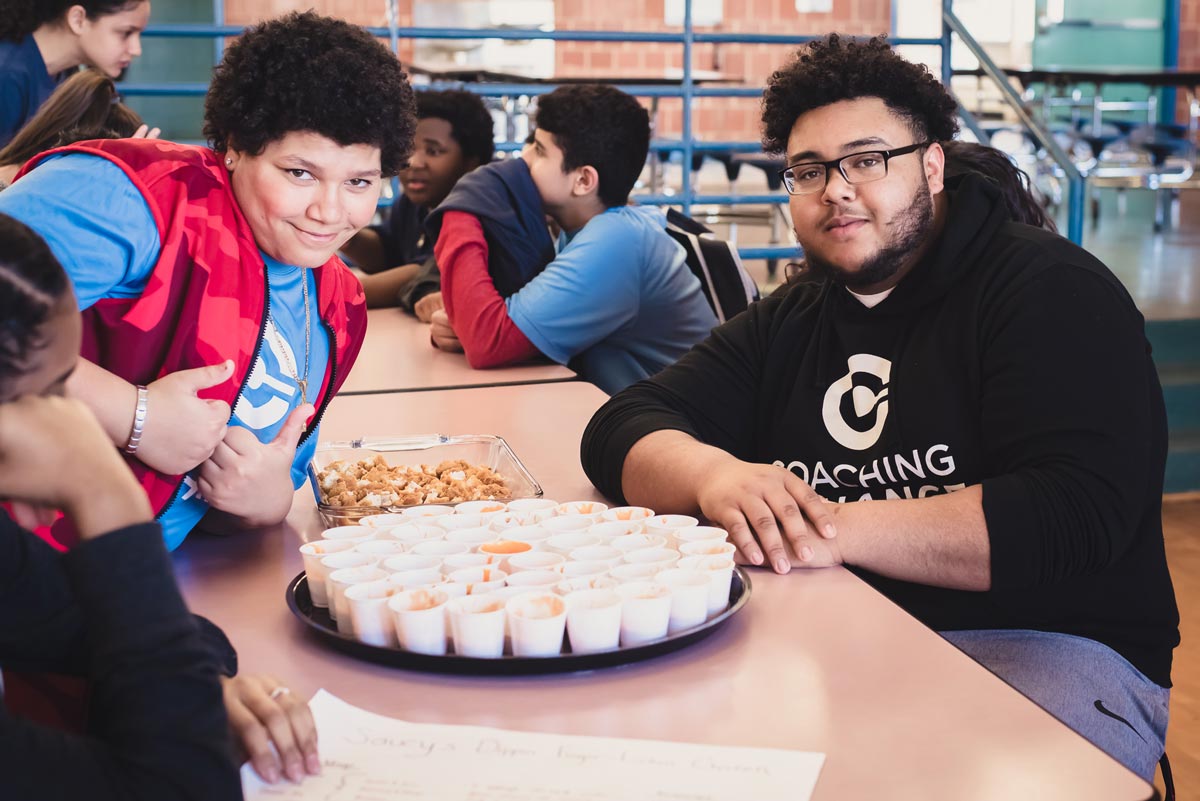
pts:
[228, 162]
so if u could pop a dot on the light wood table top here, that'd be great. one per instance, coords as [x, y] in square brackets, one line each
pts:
[817, 661]
[397, 357]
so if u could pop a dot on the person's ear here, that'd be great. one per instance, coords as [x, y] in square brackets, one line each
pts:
[75, 18]
[934, 163]
[587, 181]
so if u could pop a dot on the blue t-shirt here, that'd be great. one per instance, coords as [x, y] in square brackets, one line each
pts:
[618, 302]
[24, 85]
[106, 259]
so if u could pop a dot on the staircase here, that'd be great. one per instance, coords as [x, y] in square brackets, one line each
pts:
[1176, 346]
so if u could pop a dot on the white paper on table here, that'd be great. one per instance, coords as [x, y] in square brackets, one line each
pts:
[368, 757]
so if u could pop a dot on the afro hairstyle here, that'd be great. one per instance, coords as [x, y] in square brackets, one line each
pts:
[305, 72]
[832, 69]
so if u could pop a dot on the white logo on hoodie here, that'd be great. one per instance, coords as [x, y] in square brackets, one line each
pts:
[864, 400]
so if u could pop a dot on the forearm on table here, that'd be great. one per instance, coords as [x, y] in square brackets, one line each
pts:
[383, 289]
[941, 540]
[664, 469]
[111, 399]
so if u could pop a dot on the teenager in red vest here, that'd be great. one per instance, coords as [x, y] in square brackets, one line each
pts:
[218, 321]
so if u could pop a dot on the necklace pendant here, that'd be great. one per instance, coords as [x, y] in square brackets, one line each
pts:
[303, 384]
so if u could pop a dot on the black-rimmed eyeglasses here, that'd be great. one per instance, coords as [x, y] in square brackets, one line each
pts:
[857, 168]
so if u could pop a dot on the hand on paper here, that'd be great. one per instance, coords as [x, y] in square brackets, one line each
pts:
[442, 334]
[252, 480]
[755, 501]
[277, 735]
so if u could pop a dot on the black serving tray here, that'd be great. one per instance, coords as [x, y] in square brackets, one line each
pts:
[322, 626]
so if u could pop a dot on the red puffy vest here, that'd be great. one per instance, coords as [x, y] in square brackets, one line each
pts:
[206, 297]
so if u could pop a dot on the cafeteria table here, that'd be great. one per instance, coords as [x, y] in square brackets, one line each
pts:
[817, 661]
[397, 357]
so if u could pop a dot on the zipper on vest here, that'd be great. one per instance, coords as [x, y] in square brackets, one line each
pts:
[316, 421]
[262, 332]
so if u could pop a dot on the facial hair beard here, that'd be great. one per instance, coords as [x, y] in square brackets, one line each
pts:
[910, 228]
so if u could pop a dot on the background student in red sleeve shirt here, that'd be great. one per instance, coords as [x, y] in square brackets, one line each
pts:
[618, 303]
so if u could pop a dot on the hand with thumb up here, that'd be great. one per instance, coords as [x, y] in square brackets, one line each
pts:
[182, 429]
[252, 480]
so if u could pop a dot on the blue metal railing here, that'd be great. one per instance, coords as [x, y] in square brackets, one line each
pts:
[686, 90]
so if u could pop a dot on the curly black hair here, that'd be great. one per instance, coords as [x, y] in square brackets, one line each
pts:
[1022, 205]
[833, 69]
[305, 72]
[600, 126]
[471, 124]
[31, 284]
[19, 18]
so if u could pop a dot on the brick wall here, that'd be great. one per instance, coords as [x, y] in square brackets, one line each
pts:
[713, 118]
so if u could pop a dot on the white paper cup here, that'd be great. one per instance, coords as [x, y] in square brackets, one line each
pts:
[369, 615]
[439, 548]
[456, 522]
[581, 569]
[459, 561]
[637, 542]
[534, 579]
[479, 580]
[532, 510]
[660, 524]
[537, 621]
[568, 586]
[351, 533]
[720, 575]
[477, 625]
[689, 597]
[590, 509]
[628, 513]
[535, 560]
[501, 551]
[626, 573]
[534, 535]
[380, 548]
[597, 553]
[384, 520]
[429, 510]
[480, 507]
[472, 537]
[662, 558]
[409, 534]
[451, 588]
[593, 620]
[609, 530]
[419, 617]
[568, 541]
[645, 612]
[419, 577]
[312, 553]
[504, 521]
[563, 525]
[679, 536]
[338, 561]
[338, 581]
[708, 548]
[403, 562]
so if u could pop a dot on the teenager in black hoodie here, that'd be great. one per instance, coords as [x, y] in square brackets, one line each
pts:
[987, 384]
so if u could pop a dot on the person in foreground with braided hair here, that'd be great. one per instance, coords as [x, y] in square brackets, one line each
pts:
[162, 691]
[218, 321]
[984, 387]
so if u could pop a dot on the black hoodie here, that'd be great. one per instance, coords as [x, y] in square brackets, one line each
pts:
[1008, 357]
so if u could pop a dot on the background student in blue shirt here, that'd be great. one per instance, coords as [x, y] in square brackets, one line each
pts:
[43, 41]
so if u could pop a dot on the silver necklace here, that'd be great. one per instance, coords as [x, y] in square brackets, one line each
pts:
[301, 383]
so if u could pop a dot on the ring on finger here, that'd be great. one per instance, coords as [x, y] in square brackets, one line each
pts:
[279, 692]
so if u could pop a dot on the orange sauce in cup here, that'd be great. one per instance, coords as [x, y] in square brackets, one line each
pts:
[506, 547]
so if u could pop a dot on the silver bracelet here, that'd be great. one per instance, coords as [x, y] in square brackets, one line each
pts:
[139, 421]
